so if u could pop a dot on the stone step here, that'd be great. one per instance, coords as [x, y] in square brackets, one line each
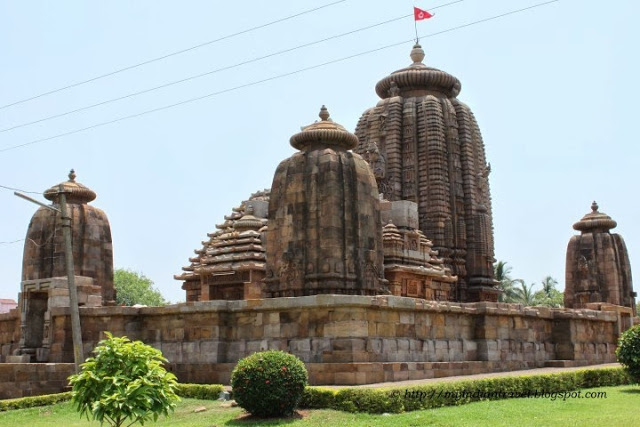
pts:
[560, 364]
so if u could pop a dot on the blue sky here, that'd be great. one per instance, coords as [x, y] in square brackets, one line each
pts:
[554, 90]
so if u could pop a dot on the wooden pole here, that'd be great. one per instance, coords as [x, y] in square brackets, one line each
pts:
[76, 331]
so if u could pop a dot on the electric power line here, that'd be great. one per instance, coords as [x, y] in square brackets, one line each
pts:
[18, 189]
[272, 78]
[229, 67]
[131, 67]
[9, 243]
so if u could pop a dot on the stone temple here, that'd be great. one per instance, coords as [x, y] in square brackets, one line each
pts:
[370, 258]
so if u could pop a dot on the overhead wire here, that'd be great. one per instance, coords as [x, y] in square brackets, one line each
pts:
[9, 243]
[178, 52]
[225, 68]
[37, 141]
[18, 189]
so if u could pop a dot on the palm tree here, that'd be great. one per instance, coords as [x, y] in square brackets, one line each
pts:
[525, 294]
[502, 273]
[549, 285]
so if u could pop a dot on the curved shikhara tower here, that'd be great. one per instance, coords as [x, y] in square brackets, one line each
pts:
[424, 145]
[324, 234]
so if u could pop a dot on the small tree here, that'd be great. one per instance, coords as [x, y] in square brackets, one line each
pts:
[628, 352]
[124, 381]
[135, 288]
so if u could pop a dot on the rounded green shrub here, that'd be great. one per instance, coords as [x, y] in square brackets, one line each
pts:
[628, 352]
[269, 384]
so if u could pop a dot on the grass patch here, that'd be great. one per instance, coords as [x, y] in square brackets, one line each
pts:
[619, 408]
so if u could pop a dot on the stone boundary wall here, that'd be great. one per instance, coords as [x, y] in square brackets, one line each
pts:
[9, 333]
[33, 379]
[351, 331]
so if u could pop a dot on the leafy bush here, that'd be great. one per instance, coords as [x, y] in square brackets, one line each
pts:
[628, 352]
[269, 383]
[124, 381]
[199, 391]
[32, 401]
[318, 398]
[368, 400]
[395, 399]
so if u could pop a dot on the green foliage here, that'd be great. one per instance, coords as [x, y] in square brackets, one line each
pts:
[554, 299]
[628, 352]
[502, 273]
[32, 401]
[517, 291]
[524, 294]
[549, 296]
[124, 381]
[368, 400]
[269, 383]
[199, 391]
[395, 400]
[318, 398]
[135, 288]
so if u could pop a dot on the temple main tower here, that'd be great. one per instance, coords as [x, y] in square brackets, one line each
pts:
[324, 234]
[424, 146]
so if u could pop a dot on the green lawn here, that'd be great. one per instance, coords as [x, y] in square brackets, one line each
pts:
[619, 408]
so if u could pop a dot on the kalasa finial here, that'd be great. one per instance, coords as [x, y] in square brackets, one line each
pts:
[324, 113]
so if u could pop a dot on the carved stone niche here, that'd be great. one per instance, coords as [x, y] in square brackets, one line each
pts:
[36, 300]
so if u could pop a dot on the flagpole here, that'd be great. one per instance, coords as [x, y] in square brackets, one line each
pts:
[415, 25]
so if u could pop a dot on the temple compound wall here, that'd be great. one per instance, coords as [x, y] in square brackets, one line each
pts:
[33, 379]
[348, 339]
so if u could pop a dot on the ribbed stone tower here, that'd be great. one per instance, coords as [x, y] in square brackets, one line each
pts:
[91, 240]
[324, 234]
[425, 146]
[598, 268]
[45, 284]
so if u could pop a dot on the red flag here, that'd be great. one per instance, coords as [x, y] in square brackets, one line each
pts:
[420, 14]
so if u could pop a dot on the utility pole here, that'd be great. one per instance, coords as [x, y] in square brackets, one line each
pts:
[76, 331]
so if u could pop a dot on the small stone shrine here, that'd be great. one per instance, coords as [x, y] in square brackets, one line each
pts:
[598, 269]
[324, 234]
[44, 276]
[425, 146]
[411, 266]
